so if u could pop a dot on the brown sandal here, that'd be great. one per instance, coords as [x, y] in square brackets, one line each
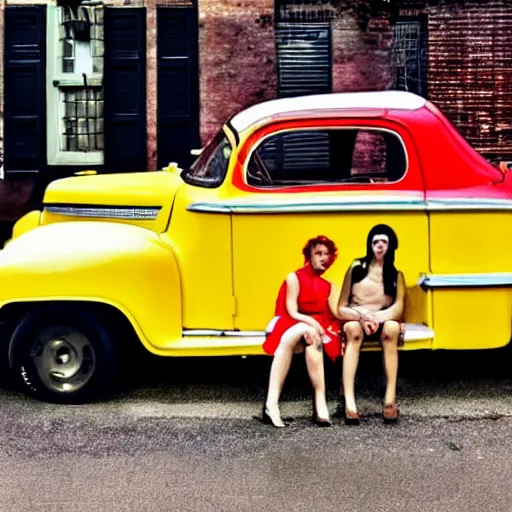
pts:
[351, 417]
[390, 413]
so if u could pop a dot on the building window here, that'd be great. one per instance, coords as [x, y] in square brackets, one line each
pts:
[68, 36]
[303, 40]
[410, 55]
[83, 119]
[74, 85]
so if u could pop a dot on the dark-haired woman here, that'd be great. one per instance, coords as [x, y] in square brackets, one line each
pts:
[304, 321]
[371, 306]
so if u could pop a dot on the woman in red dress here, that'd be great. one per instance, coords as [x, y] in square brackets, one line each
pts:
[304, 321]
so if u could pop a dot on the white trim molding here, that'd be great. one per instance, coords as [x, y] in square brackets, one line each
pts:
[482, 280]
[333, 103]
[351, 204]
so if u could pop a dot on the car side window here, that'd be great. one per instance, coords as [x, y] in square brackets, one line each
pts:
[344, 155]
[210, 168]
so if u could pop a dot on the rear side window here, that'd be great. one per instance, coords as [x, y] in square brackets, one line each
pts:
[347, 155]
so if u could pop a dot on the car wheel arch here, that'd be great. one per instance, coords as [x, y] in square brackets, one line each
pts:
[12, 314]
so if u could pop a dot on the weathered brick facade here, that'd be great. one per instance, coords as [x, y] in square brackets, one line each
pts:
[237, 66]
[470, 72]
[237, 58]
[361, 58]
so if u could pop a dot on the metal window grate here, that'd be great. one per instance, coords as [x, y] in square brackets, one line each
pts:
[296, 153]
[303, 58]
[305, 11]
[67, 41]
[410, 56]
[83, 119]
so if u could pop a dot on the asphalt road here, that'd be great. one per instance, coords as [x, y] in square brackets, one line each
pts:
[181, 436]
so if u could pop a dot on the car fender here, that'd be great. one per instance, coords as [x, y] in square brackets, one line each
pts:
[122, 265]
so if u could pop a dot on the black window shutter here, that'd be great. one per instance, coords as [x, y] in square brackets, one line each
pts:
[177, 84]
[25, 88]
[125, 89]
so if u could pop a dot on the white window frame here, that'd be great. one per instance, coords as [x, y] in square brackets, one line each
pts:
[55, 81]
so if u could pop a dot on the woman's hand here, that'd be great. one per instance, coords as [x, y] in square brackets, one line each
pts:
[380, 316]
[316, 325]
[366, 314]
[369, 326]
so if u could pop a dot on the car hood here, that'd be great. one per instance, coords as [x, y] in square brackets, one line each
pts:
[146, 189]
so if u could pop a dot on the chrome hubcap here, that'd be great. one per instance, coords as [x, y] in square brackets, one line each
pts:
[63, 358]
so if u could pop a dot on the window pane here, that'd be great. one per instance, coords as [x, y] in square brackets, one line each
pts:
[308, 157]
[68, 66]
[83, 126]
[70, 108]
[80, 109]
[70, 142]
[369, 155]
[99, 108]
[97, 65]
[67, 35]
[211, 166]
[68, 48]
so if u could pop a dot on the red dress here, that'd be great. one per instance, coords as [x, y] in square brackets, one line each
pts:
[312, 301]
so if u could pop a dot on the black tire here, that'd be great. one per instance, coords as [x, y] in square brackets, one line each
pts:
[63, 354]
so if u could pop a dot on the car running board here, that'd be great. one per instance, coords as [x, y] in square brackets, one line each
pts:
[209, 342]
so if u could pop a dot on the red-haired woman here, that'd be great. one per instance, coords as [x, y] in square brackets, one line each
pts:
[304, 321]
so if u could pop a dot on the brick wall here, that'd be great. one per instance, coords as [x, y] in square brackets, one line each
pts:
[361, 57]
[237, 58]
[237, 65]
[236, 61]
[470, 72]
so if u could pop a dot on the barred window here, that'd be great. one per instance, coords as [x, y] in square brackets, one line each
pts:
[74, 82]
[410, 55]
[83, 119]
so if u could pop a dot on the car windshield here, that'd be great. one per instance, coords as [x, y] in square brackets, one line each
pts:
[210, 168]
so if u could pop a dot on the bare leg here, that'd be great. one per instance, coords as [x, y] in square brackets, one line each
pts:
[279, 369]
[390, 334]
[354, 334]
[315, 365]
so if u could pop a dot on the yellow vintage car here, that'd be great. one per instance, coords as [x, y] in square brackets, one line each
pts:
[190, 261]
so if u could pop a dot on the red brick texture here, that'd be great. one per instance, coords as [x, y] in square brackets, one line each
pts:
[361, 59]
[237, 58]
[237, 67]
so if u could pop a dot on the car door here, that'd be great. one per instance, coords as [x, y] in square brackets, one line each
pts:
[336, 178]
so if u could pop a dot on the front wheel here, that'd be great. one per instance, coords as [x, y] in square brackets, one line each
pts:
[63, 354]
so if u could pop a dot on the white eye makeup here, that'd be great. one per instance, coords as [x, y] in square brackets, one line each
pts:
[380, 238]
